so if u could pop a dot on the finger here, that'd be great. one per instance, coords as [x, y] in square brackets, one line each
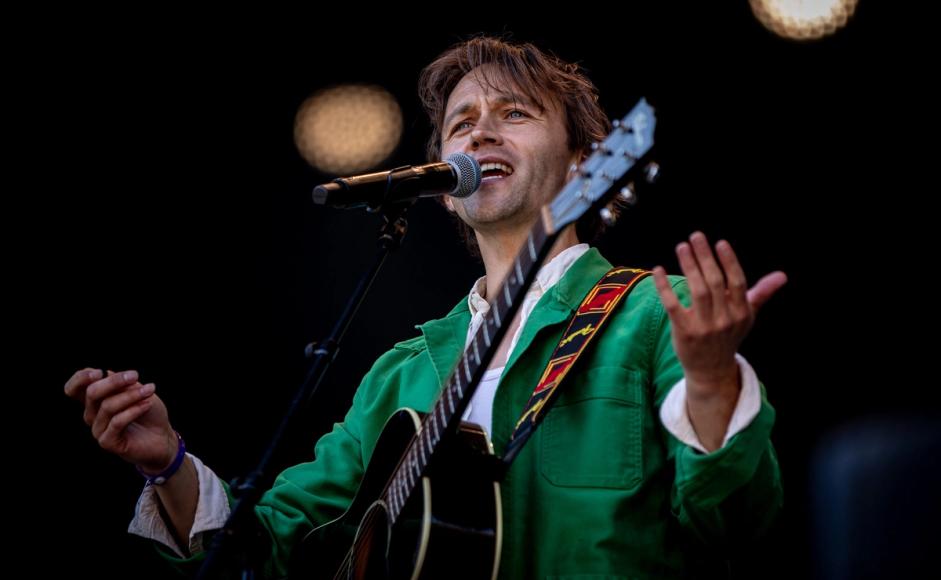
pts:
[702, 296]
[668, 297]
[765, 288]
[735, 278]
[79, 381]
[106, 387]
[100, 390]
[112, 434]
[117, 404]
[711, 272]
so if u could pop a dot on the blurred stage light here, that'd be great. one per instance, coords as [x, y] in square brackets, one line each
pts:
[348, 128]
[803, 19]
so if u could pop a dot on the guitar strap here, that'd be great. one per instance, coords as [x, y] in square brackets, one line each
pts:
[587, 322]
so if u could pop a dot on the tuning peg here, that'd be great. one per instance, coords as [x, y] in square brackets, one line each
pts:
[598, 147]
[573, 168]
[627, 194]
[607, 216]
[652, 172]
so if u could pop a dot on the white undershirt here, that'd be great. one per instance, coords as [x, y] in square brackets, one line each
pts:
[480, 408]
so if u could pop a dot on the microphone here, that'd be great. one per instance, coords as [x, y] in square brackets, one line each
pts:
[458, 176]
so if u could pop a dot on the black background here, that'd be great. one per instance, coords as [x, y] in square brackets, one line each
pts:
[174, 231]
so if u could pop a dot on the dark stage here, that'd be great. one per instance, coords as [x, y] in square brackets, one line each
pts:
[175, 235]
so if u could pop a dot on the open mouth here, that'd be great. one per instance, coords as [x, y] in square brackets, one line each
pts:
[492, 171]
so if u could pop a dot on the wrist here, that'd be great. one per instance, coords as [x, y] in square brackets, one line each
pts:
[160, 477]
[720, 383]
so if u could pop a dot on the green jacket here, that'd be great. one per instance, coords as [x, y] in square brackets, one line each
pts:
[601, 490]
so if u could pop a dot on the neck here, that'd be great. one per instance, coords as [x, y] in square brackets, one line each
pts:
[499, 249]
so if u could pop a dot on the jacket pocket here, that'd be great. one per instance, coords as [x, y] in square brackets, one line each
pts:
[592, 435]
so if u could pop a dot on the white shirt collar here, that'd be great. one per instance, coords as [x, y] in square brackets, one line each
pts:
[548, 275]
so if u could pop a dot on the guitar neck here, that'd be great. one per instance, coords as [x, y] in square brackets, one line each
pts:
[445, 415]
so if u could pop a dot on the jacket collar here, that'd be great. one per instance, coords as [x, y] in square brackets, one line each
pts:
[445, 337]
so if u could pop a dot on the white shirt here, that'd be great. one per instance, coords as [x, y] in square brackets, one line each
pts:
[212, 508]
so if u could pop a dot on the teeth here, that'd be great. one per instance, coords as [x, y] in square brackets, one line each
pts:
[496, 166]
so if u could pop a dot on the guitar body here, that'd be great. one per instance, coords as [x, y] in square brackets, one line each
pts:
[450, 526]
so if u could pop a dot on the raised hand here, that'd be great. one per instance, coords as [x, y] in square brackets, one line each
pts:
[707, 335]
[126, 417]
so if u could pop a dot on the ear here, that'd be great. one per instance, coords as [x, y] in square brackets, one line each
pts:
[449, 203]
[574, 161]
[578, 157]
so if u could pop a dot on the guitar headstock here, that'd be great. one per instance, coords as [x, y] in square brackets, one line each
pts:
[629, 141]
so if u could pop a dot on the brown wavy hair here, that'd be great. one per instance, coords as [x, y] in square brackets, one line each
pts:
[540, 76]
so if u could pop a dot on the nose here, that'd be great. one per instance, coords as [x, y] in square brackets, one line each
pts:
[483, 134]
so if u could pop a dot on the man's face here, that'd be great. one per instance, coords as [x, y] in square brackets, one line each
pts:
[529, 146]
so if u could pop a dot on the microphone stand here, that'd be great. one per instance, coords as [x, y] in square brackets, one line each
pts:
[242, 534]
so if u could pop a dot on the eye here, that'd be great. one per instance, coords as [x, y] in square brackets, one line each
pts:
[458, 127]
[516, 114]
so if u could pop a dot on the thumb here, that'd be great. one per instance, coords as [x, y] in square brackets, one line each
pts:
[765, 288]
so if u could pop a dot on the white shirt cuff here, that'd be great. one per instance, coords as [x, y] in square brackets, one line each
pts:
[212, 510]
[675, 417]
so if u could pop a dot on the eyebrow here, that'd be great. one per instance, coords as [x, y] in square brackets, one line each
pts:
[501, 100]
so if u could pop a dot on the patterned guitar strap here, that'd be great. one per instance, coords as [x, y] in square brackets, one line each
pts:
[590, 317]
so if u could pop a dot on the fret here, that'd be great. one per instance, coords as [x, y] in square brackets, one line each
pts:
[434, 427]
[403, 493]
[506, 293]
[524, 261]
[421, 459]
[444, 417]
[486, 333]
[457, 381]
[519, 272]
[450, 400]
[393, 497]
[467, 373]
[424, 440]
[538, 235]
[409, 467]
[532, 250]
[393, 511]
[476, 351]
[496, 312]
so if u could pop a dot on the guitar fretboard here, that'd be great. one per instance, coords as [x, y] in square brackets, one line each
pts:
[447, 411]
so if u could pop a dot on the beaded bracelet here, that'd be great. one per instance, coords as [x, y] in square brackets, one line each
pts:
[164, 475]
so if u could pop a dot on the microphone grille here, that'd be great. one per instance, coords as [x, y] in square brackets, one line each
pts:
[468, 174]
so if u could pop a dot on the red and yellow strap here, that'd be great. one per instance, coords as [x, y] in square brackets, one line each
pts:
[590, 317]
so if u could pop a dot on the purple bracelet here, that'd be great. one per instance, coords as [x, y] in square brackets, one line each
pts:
[164, 475]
